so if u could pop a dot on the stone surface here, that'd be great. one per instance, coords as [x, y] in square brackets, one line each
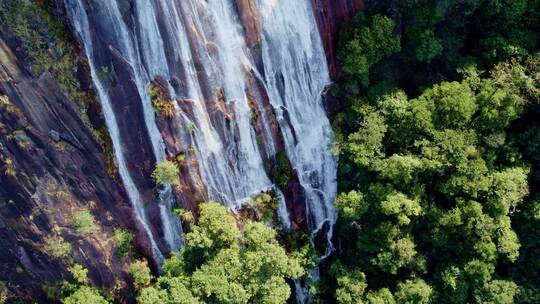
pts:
[250, 21]
[51, 166]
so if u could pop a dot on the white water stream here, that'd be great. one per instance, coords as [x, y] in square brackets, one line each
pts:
[201, 43]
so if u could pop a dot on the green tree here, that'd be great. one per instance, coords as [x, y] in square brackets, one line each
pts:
[368, 44]
[366, 144]
[222, 263]
[351, 206]
[351, 287]
[123, 240]
[414, 292]
[429, 182]
[85, 295]
[381, 296]
[81, 292]
[141, 273]
[496, 292]
[79, 273]
[452, 104]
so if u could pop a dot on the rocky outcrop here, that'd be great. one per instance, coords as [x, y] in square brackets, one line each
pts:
[250, 19]
[51, 167]
[330, 15]
[55, 161]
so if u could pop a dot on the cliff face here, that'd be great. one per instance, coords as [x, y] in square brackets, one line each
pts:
[53, 166]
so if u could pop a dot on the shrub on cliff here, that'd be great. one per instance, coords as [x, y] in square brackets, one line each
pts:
[123, 240]
[161, 102]
[83, 222]
[166, 173]
[142, 277]
[81, 292]
[57, 247]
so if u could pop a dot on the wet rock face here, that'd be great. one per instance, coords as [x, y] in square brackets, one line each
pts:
[51, 164]
[330, 15]
[250, 20]
[51, 167]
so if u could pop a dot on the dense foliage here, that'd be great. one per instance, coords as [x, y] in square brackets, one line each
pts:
[439, 174]
[80, 292]
[438, 142]
[222, 263]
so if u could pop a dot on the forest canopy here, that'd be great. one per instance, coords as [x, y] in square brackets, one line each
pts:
[438, 171]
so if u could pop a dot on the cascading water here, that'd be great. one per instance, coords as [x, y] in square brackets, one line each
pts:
[151, 64]
[296, 73]
[222, 89]
[80, 20]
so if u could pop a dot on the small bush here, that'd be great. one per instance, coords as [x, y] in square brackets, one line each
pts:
[9, 169]
[266, 204]
[124, 242]
[79, 292]
[4, 293]
[180, 158]
[83, 222]
[166, 173]
[186, 216]
[140, 273]
[160, 102]
[282, 172]
[79, 273]
[57, 247]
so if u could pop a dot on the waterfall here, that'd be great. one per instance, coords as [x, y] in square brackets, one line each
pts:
[296, 73]
[144, 69]
[230, 98]
[80, 20]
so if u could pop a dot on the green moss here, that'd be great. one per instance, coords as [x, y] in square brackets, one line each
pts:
[102, 136]
[180, 158]
[104, 72]
[47, 44]
[4, 293]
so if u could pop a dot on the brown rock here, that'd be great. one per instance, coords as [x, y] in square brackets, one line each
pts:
[250, 20]
[45, 177]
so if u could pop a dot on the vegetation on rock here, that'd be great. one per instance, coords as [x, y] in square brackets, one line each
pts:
[166, 173]
[161, 102]
[83, 222]
[80, 292]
